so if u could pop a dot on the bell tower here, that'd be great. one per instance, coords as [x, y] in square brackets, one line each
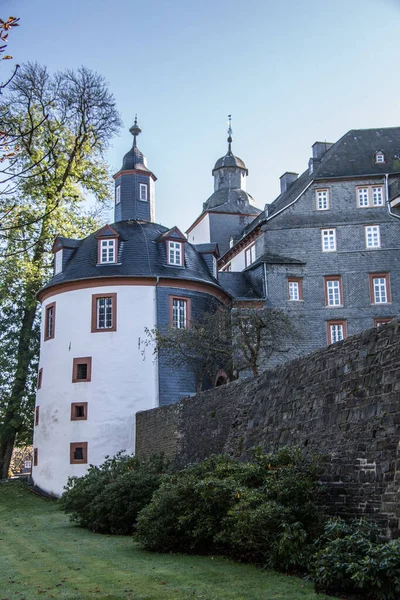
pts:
[134, 185]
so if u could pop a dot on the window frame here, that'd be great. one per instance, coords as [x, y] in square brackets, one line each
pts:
[330, 323]
[327, 279]
[36, 416]
[299, 281]
[58, 261]
[87, 360]
[321, 191]
[182, 253]
[380, 154]
[386, 277]
[370, 191]
[118, 194]
[85, 411]
[379, 321]
[35, 457]
[366, 227]
[141, 187]
[95, 297]
[80, 461]
[334, 240]
[46, 334]
[100, 242]
[171, 310]
[250, 251]
[39, 379]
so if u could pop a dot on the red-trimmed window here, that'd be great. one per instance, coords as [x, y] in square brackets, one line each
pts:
[179, 309]
[40, 378]
[382, 321]
[336, 331]
[333, 291]
[35, 457]
[379, 284]
[295, 288]
[175, 253]
[78, 453]
[49, 321]
[104, 312]
[82, 369]
[79, 411]
[36, 416]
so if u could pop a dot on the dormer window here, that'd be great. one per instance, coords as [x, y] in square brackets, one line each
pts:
[143, 191]
[175, 253]
[118, 194]
[58, 257]
[379, 157]
[107, 251]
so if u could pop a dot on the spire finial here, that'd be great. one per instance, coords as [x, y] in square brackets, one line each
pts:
[229, 133]
[135, 131]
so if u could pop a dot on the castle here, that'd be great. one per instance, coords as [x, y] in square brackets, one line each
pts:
[326, 252]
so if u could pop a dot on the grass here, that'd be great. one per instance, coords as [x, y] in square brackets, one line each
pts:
[43, 556]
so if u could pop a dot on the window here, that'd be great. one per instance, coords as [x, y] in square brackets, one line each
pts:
[379, 288]
[337, 331]
[328, 240]
[36, 416]
[118, 194]
[39, 379]
[82, 369]
[250, 255]
[27, 465]
[35, 457]
[143, 191]
[79, 411]
[295, 291]
[370, 196]
[372, 236]
[107, 251]
[175, 253]
[333, 291]
[322, 198]
[104, 312]
[58, 260]
[179, 312]
[78, 453]
[382, 321]
[49, 321]
[379, 157]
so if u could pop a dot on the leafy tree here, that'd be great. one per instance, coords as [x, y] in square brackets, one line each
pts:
[70, 117]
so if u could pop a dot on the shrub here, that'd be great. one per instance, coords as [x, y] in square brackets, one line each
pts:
[264, 511]
[108, 498]
[351, 558]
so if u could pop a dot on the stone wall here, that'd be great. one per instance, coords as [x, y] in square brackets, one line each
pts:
[343, 401]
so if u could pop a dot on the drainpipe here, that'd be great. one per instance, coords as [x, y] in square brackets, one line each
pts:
[265, 282]
[387, 197]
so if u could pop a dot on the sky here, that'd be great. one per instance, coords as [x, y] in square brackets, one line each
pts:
[290, 73]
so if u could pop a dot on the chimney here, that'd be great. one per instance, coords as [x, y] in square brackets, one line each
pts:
[287, 179]
[319, 149]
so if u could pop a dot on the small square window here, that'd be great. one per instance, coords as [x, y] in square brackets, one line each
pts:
[49, 321]
[58, 262]
[322, 198]
[337, 331]
[179, 312]
[79, 411]
[379, 157]
[295, 291]
[78, 453]
[379, 288]
[175, 253]
[82, 369]
[328, 237]
[143, 191]
[104, 312]
[372, 236]
[333, 291]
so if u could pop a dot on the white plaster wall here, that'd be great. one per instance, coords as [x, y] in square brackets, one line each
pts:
[122, 383]
[238, 262]
[200, 234]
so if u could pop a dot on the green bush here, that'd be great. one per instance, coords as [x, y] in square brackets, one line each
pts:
[351, 557]
[264, 511]
[108, 498]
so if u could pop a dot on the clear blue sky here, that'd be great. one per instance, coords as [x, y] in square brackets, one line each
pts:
[290, 72]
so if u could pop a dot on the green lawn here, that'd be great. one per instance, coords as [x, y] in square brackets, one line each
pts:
[43, 556]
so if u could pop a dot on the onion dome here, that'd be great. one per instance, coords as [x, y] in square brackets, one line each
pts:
[134, 159]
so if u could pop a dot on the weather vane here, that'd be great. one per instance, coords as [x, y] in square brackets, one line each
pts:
[229, 132]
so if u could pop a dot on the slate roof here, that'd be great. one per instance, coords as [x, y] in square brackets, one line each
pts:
[134, 159]
[211, 248]
[229, 160]
[394, 189]
[232, 200]
[140, 254]
[274, 259]
[237, 285]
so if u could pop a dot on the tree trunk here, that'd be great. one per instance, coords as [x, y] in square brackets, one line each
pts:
[6, 448]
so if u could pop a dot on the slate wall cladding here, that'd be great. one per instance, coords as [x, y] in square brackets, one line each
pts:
[343, 401]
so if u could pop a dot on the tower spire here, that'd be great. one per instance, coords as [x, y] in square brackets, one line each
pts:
[135, 131]
[229, 134]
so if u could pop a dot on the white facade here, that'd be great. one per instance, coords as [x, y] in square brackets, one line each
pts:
[200, 234]
[122, 382]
